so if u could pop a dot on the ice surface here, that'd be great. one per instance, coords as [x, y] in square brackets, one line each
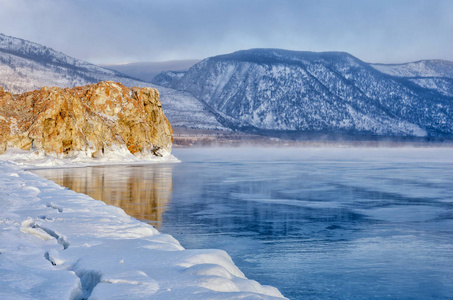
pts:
[322, 223]
[58, 244]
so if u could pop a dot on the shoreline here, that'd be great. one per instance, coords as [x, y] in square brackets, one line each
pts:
[115, 156]
[65, 240]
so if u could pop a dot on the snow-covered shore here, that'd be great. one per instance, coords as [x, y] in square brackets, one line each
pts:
[112, 156]
[58, 244]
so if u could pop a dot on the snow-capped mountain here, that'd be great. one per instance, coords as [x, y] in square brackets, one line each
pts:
[333, 92]
[146, 71]
[267, 90]
[26, 66]
[184, 110]
[422, 68]
[165, 78]
[432, 74]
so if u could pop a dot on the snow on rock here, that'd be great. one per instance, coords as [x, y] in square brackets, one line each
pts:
[58, 244]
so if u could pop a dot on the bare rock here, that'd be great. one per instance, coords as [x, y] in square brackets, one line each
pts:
[88, 118]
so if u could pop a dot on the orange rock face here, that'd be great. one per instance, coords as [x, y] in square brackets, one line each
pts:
[88, 118]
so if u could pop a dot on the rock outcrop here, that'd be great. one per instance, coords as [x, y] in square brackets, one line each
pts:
[91, 118]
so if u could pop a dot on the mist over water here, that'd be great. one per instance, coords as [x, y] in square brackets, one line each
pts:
[321, 223]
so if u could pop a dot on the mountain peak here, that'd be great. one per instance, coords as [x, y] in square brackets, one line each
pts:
[272, 56]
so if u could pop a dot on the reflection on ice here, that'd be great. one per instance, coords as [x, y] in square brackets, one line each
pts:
[316, 223]
[142, 191]
[322, 223]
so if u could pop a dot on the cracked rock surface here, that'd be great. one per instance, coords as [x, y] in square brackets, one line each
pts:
[90, 118]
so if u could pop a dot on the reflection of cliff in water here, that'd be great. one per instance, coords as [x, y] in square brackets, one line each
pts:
[142, 191]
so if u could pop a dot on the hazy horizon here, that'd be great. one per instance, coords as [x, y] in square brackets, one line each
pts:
[114, 31]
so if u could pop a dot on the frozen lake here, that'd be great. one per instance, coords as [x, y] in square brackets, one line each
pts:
[323, 223]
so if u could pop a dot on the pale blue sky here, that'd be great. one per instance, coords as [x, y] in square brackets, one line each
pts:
[113, 31]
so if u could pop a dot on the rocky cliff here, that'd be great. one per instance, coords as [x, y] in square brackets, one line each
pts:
[91, 118]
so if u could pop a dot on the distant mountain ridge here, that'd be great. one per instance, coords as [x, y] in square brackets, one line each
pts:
[268, 90]
[27, 66]
[431, 74]
[146, 71]
[274, 89]
[421, 68]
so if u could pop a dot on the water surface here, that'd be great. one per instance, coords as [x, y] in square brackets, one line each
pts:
[316, 223]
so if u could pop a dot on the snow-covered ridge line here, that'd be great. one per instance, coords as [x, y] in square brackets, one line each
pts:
[58, 244]
[422, 68]
[27, 49]
[27, 66]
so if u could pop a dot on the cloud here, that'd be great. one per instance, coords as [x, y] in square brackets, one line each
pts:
[111, 31]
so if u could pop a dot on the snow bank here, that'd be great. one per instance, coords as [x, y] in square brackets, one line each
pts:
[57, 244]
[113, 156]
